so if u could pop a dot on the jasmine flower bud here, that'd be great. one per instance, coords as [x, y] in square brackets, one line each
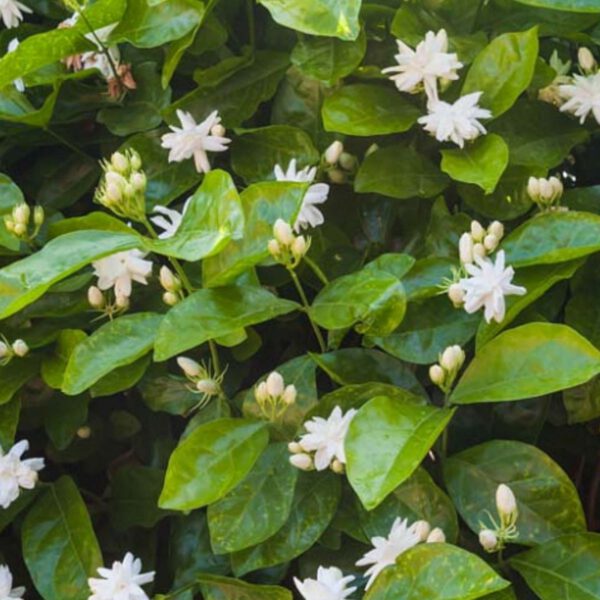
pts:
[119, 162]
[422, 529]
[38, 216]
[283, 232]
[372, 148]
[21, 213]
[437, 375]
[465, 249]
[19, 229]
[506, 503]
[135, 160]
[84, 432]
[490, 242]
[3, 350]
[533, 188]
[189, 366]
[261, 393]
[20, 348]
[289, 395]
[295, 448]
[336, 176]
[302, 461]
[274, 248]
[337, 467]
[488, 540]
[456, 294]
[299, 247]
[170, 298]
[436, 536]
[208, 386]
[496, 228]
[477, 231]
[452, 358]
[333, 152]
[347, 161]
[138, 181]
[218, 130]
[95, 297]
[586, 59]
[275, 384]
[168, 280]
[478, 251]
[122, 301]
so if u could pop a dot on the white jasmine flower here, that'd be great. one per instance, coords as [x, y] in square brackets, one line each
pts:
[18, 83]
[330, 584]
[456, 122]
[487, 285]
[122, 581]
[424, 65]
[194, 140]
[7, 592]
[582, 97]
[17, 474]
[326, 437]
[385, 551]
[309, 215]
[12, 11]
[171, 220]
[120, 269]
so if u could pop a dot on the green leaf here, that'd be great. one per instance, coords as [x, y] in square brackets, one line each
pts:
[210, 313]
[503, 70]
[563, 568]
[59, 545]
[582, 402]
[585, 6]
[10, 195]
[263, 204]
[436, 572]
[371, 300]
[148, 24]
[481, 163]
[55, 364]
[258, 507]
[134, 497]
[552, 238]
[49, 47]
[404, 431]
[521, 363]
[399, 172]
[328, 59]
[255, 152]
[15, 375]
[25, 280]
[115, 344]
[547, 500]
[9, 421]
[214, 587]
[337, 18]
[316, 498]
[164, 392]
[211, 461]
[366, 109]
[213, 217]
[120, 379]
[63, 417]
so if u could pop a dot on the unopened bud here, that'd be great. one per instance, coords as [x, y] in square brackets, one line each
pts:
[496, 228]
[139, 181]
[452, 358]
[275, 384]
[336, 176]
[302, 461]
[274, 248]
[586, 59]
[533, 188]
[283, 232]
[21, 213]
[478, 251]
[3, 350]
[38, 216]
[546, 190]
[95, 297]
[488, 540]
[436, 536]
[19, 229]
[422, 529]
[168, 280]
[119, 162]
[261, 393]
[372, 148]
[114, 178]
[477, 231]
[289, 395]
[456, 293]
[299, 247]
[208, 386]
[347, 161]
[218, 130]
[337, 467]
[333, 152]
[20, 348]
[436, 374]
[170, 298]
[465, 248]
[557, 187]
[295, 448]
[135, 160]
[128, 190]
[189, 366]
[84, 432]
[9, 224]
[506, 503]
[490, 242]
[122, 301]
[113, 193]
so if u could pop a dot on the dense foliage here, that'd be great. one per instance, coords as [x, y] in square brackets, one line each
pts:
[298, 298]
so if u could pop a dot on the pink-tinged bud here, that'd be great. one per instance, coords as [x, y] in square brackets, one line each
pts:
[436, 536]
[283, 232]
[189, 366]
[586, 59]
[139, 181]
[506, 503]
[95, 297]
[275, 384]
[488, 540]
[21, 213]
[333, 152]
[302, 461]
[465, 248]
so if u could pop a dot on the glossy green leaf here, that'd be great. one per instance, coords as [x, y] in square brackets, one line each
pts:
[55, 364]
[372, 300]
[405, 432]
[255, 152]
[211, 461]
[436, 572]
[258, 507]
[25, 280]
[582, 402]
[548, 503]
[563, 568]
[211, 313]
[365, 110]
[337, 18]
[213, 217]
[552, 238]
[15, 375]
[121, 378]
[63, 417]
[263, 204]
[115, 344]
[9, 420]
[585, 6]
[399, 172]
[481, 163]
[521, 363]
[214, 587]
[59, 545]
[10, 194]
[503, 70]
[316, 498]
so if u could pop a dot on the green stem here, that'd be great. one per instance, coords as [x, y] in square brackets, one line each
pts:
[316, 270]
[214, 355]
[306, 305]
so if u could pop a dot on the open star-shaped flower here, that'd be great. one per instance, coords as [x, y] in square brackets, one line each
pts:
[582, 97]
[330, 584]
[122, 581]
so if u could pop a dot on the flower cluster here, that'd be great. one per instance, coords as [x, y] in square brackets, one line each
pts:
[330, 584]
[494, 538]
[323, 446]
[274, 397]
[479, 242]
[546, 193]
[422, 69]
[22, 223]
[18, 348]
[444, 373]
[285, 247]
[337, 163]
[172, 286]
[204, 381]
[123, 186]
[402, 537]
[122, 581]
[17, 474]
